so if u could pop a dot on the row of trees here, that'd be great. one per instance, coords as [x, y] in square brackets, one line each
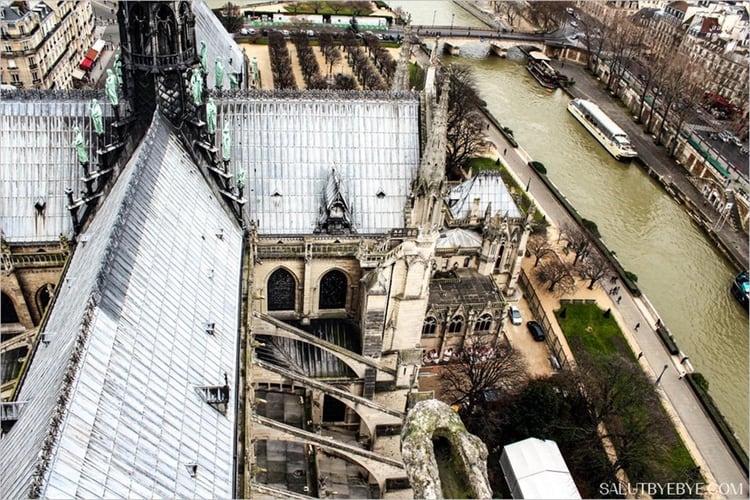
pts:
[281, 62]
[308, 62]
[369, 77]
[672, 83]
[381, 58]
[550, 268]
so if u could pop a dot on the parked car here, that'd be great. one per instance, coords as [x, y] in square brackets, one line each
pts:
[536, 330]
[515, 315]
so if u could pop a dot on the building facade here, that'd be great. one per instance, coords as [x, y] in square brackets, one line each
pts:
[42, 42]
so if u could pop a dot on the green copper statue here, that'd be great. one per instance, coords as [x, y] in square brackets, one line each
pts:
[96, 117]
[204, 57]
[226, 143]
[219, 72]
[118, 69]
[241, 179]
[233, 83]
[80, 145]
[111, 88]
[196, 85]
[211, 116]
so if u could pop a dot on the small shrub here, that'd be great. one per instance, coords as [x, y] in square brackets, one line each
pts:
[700, 381]
[631, 276]
[592, 227]
[539, 167]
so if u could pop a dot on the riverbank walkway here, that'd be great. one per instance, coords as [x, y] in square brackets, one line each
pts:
[698, 431]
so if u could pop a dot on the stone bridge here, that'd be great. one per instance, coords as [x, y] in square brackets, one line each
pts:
[267, 325]
[380, 467]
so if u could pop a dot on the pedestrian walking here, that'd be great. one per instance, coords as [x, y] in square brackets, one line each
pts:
[637, 326]
[640, 355]
[505, 151]
[619, 299]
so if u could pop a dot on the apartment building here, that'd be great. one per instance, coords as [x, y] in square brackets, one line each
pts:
[43, 41]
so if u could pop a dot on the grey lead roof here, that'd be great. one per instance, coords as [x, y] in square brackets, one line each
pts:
[113, 410]
[489, 189]
[288, 147]
[218, 43]
[38, 161]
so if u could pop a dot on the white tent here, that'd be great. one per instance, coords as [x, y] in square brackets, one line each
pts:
[534, 468]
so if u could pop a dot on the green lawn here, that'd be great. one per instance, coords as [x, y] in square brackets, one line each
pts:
[587, 330]
[599, 335]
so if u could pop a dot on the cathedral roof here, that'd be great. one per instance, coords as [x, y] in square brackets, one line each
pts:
[218, 43]
[459, 238]
[145, 321]
[489, 189]
[38, 161]
[288, 142]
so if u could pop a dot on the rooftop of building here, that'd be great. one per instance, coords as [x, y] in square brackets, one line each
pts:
[462, 286]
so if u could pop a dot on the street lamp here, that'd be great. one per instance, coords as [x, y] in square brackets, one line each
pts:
[434, 13]
[658, 379]
[452, 16]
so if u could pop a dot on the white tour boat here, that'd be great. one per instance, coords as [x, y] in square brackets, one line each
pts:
[601, 126]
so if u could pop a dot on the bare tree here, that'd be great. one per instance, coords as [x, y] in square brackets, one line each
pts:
[626, 41]
[548, 15]
[689, 100]
[479, 368]
[577, 240]
[557, 273]
[509, 10]
[593, 267]
[466, 129]
[539, 247]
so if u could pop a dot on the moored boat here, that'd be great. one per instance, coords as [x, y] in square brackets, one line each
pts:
[741, 289]
[544, 73]
[607, 132]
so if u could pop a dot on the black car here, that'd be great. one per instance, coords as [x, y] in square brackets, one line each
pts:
[536, 330]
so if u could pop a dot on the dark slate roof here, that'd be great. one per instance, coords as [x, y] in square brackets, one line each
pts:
[462, 286]
[113, 409]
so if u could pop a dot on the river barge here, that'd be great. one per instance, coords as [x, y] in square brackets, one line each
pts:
[608, 133]
[544, 73]
[741, 289]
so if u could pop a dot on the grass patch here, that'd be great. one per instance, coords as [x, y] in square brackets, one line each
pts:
[594, 334]
[586, 324]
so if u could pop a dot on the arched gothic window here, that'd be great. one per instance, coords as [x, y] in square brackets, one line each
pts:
[456, 324]
[139, 30]
[333, 290]
[281, 291]
[166, 31]
[8, 312]
[43, 297]
[483, 324]
[429, 327]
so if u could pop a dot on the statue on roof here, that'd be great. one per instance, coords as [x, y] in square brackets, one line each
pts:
[196, 86]
[240, 181]
[226, 142]
[80, 145]
[234, 84]
[96, 117]
[219, 73]
[204, 56]
[211, 116]
[111, 88]
[118, 69]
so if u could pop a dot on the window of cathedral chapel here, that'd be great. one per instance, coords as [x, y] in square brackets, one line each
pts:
[430, 326]
[456, 324]
[333, 290]
[483, 324]
[281, 291]
[8, 313]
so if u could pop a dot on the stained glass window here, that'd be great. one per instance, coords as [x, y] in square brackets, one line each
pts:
[333, 288]
[281, 290]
